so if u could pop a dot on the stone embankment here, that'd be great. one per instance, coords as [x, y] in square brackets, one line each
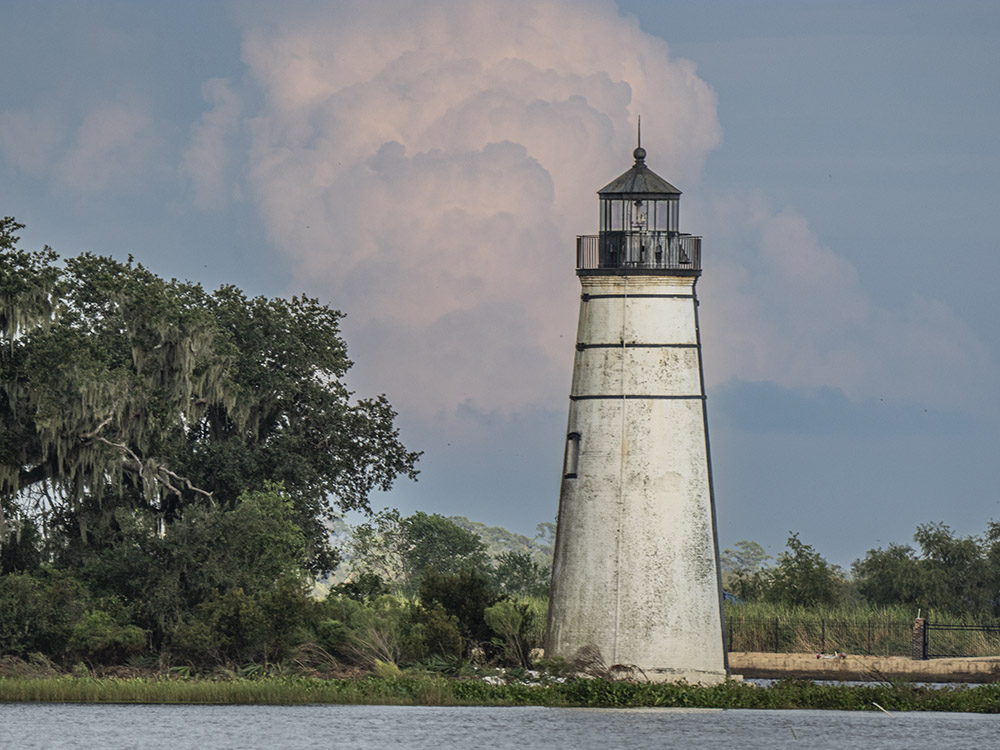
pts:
[865, 668]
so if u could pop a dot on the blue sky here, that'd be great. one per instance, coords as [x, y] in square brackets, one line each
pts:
[425, 166]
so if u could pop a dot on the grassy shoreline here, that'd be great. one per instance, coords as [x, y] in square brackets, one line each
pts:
[440, 691]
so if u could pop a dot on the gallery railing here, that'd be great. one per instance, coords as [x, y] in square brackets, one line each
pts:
[639, 250]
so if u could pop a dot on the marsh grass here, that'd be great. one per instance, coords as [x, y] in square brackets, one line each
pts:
[268, 690]
[438, 691]
[770, 627]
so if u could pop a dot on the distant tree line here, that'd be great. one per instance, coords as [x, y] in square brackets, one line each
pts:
[943, 573]
[395, 554]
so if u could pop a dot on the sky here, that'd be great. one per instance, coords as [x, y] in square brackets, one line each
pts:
[425, 166]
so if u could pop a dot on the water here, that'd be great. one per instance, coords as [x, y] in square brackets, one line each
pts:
[95, 727]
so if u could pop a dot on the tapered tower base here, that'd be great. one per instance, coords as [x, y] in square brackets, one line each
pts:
[636, 562]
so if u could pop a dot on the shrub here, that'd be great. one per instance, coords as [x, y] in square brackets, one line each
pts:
[512, 622]
[39, 612]
[464, 595]
[99, 639]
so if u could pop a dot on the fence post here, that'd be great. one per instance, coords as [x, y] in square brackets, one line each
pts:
[919, 647]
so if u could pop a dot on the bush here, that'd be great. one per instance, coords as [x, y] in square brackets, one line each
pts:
[514, 623]
[39, 612]
[465, 596]
[332, 635]
[239, 628]
[434, 634]
[99, 639]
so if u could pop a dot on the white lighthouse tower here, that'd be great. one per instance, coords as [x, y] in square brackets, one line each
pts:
[636, 571]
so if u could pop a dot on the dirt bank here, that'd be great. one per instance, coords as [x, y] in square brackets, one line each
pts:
[807, 667]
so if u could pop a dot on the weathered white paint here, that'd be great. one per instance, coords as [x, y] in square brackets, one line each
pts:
[636, 566]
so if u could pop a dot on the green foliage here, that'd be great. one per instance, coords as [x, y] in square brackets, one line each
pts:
[437, 632]
[39, 612]
[800, 576]
[744, 571]
[161, 577]
[121, 390]
[377, 547]
[332, 635]
[519, 626]
[517, 574]
[889, 576]
[435, 543]
[850, 627]
[396, 689]
[363, 587]
[22, 551]
[237, 627]
[499, 540]
[97, 637]
[27, 283]
[465, 595]
[947, 574]
[389, 630]
[803, 577]
[401, 551]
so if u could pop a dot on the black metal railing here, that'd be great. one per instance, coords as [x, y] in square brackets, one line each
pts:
[639, 250]
[942, 641]
[872, 636]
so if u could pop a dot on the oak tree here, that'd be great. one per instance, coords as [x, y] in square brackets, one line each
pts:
[120, 389]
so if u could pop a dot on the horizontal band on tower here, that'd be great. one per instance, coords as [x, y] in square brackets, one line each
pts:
[580, 347]
[635, 397]
[588, 297]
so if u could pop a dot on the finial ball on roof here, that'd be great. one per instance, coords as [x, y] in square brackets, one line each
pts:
[639, 154]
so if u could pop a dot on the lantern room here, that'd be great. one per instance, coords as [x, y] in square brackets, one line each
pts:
[639, 228]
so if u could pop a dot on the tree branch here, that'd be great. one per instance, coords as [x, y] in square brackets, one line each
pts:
[164, 474]
[101, 426]
[187, 482]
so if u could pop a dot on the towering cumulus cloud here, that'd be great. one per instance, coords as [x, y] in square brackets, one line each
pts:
[426, 167]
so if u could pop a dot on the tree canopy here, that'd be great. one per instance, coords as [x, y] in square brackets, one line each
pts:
[800, 577]
[119, 389]
[946, 573]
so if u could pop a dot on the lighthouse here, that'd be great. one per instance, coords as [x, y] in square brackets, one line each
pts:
[636, 570]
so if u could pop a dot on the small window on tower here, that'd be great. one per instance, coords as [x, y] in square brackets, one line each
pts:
[572, 460]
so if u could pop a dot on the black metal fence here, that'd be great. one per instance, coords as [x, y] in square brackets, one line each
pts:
[874, 637]
[943, 641]
[878, 637]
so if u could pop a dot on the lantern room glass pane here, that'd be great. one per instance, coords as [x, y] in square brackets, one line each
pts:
[640, 214]
[659, 216]
[613, 215]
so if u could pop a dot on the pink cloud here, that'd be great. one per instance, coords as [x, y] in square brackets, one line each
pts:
[427, 168]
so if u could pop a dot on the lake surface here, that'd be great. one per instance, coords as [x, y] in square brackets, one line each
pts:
[57, 726]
